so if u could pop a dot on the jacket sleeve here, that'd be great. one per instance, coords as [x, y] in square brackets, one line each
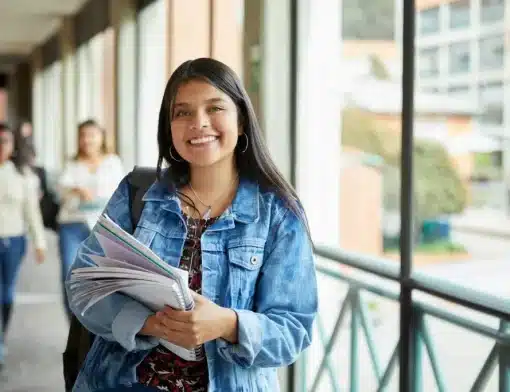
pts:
[285, 303]
[116, 317]
[32, 211]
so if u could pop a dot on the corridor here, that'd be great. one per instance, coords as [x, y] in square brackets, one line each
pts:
[39, 329]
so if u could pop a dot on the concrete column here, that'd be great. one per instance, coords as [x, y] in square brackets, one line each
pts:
[275, 99]
[3, 104]
[69, 92]
[36, 65]
[226, 32]
[123, 13]
[21, 93]
[11, 92]
[319, 123]
[109, 86]
[252, 52]
[151, 78]
[188, 31]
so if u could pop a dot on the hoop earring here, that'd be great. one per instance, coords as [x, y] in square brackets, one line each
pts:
[172, 156]
[247, 143]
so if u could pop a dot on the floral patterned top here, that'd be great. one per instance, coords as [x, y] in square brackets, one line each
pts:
[163, 369]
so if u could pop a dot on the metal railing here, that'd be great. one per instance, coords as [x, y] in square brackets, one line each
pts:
[423, 342]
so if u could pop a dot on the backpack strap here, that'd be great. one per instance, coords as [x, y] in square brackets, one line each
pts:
[140, 179]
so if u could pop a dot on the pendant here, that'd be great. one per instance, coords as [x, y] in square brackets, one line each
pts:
[207, 213]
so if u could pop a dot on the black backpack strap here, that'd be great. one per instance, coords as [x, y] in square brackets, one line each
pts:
[140, 179]
[80, 339]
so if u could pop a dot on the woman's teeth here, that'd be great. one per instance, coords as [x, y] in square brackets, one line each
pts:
[203, 140]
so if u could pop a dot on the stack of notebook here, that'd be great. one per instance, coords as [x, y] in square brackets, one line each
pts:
[131, 268]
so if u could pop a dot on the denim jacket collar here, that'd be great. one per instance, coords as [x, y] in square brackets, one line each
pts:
[244, 209]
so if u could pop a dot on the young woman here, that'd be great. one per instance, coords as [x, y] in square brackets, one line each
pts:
[222, 211]
[19, 207]
[24, 157]
[84, 188]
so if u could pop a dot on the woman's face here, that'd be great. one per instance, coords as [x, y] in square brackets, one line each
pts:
[6, 145]
[205, 125]
[91, 140]
[26, 129]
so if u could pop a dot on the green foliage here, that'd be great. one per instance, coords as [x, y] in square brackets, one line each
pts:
[437, 183]
[361, 131]
[437, 247]
[379, 70]
[368, 19]
[438, 187]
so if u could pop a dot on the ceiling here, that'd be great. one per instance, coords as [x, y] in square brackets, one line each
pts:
[26, 23]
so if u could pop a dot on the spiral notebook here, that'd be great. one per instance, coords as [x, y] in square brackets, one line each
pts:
[131, 268]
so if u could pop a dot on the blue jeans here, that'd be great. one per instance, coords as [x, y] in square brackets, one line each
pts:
[71, 235]
[12, 250]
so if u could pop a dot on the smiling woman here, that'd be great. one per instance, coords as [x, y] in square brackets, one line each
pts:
[224, 213]
[205, 126]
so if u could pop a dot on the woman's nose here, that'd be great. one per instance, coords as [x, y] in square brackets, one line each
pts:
[200, 120]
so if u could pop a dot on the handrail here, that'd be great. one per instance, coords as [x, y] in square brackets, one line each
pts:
[440, 288]
[425, 306]
[376, 265]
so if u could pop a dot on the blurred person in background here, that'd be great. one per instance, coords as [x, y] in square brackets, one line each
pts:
[23, 154]
[19, 208]
[84, 187]
[24, 157]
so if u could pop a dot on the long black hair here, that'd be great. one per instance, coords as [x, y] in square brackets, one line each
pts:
[254, 163]
[91, 123]
[5, 128]
[24, 149]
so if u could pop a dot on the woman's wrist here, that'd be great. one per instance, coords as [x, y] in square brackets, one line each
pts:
[229, 325]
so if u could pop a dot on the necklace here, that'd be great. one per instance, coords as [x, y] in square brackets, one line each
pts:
[208, 210]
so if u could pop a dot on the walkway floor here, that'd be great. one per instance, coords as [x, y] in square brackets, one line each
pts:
[38, 330]
[486, 221]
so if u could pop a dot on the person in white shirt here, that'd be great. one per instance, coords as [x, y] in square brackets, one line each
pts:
[19, 208]
[85, 186]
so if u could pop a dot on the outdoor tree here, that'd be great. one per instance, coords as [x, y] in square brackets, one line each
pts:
[438, 187]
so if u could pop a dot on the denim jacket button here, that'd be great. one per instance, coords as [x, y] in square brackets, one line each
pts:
[254, 260]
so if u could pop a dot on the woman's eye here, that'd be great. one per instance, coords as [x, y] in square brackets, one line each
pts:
[215, 109]
[181, 113]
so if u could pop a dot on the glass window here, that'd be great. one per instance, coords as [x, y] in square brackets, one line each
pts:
[492, 52]
[84, 85]
[52, 82]
[152, 42]
[429, 21]
[460, 57]
[428, 62]
[38, 110]
[460, 89]
[452, 238]
[460, 14]
[430, 89]
[90, 67]
[491, 99]
[492, 11]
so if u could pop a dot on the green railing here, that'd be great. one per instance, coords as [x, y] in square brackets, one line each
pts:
[361, 327]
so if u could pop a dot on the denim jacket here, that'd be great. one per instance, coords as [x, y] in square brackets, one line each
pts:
[256, 259]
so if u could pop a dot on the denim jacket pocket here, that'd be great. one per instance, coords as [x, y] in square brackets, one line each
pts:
[245, 260]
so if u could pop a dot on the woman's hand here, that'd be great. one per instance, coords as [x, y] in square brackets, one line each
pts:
[40, 255]
[84, 194]
[189, 329]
